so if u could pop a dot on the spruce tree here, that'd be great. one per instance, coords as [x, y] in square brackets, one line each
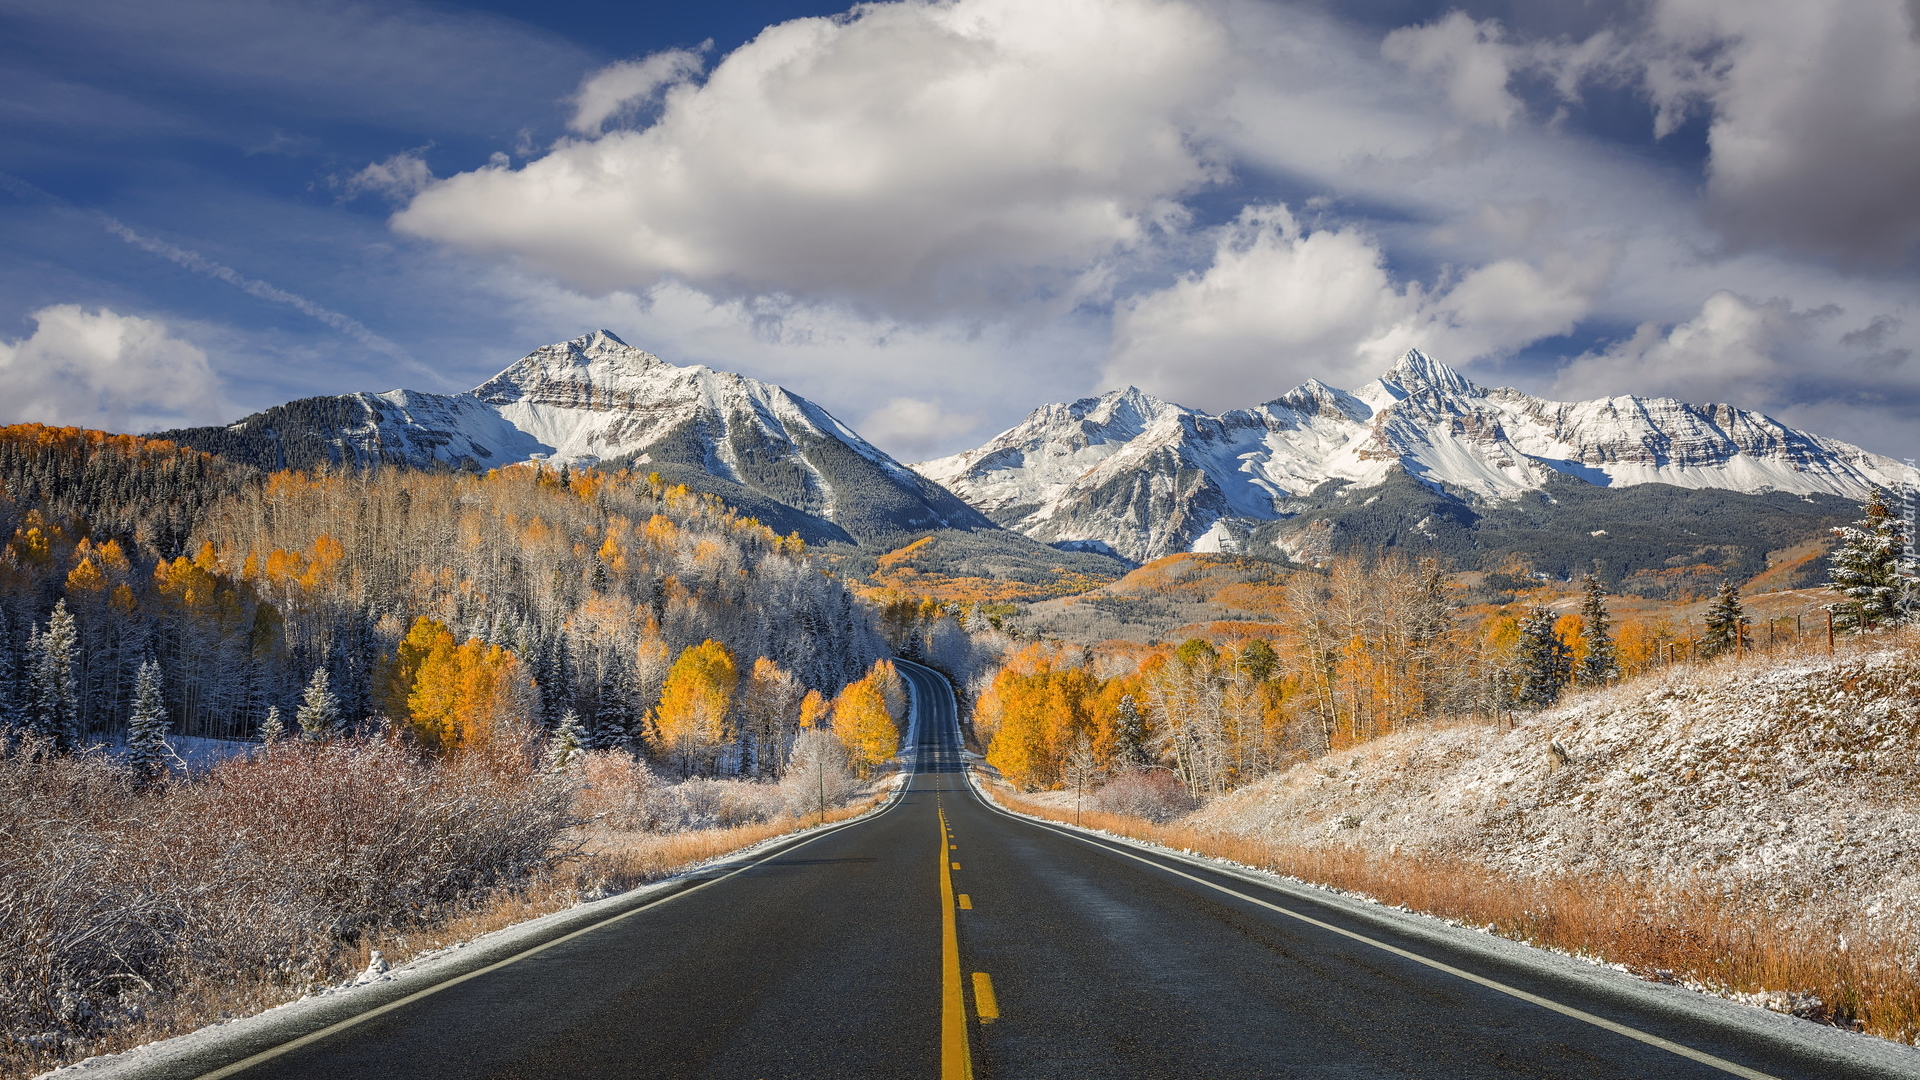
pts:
[319, 714]
[1600, 665]
[148, 725]
[613, 720]
[1129, 735]
[1725, 618]
[564, 745]
[1866, 568]
[1546, 664]
[272, 729]
[55, 705]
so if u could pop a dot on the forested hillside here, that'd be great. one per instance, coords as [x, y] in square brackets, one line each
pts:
[437, 600]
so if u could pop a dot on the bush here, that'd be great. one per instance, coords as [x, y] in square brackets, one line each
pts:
[1154, 794]
[113, 896]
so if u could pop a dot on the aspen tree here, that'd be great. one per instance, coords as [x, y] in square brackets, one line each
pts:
[864, 725]
[695, 707]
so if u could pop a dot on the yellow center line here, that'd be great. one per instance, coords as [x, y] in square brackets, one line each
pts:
[956, 1055]
[966, 902]
[984, 1002]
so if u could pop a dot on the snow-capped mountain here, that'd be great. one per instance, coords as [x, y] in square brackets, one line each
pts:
[1145, 478]
[597, 399]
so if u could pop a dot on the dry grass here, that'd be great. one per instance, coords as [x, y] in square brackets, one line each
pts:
[1692, 936]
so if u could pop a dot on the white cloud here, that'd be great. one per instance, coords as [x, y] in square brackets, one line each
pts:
[398, 178]
[619, 89]
[1815, 135]
[914, 429]
[1733, 344]
[1278, 304]
[915, 158]
[1281, 304]
[1469, 58]
[100, 369]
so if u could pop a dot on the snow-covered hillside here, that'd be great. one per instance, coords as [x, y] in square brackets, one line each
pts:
[1780, 781]
[1148, 478]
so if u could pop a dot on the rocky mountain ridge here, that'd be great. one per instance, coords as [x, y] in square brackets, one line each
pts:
[1130, 473]
[596, 399]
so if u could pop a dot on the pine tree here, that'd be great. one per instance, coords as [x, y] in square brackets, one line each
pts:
[148, 725]
[564, 745]
[1725, 620]
[1129, 735]
[613, 719]
[272, 729]
[1867, 570]
[1546, 664]
[55, 705]
[319, 715]
[1600, 665]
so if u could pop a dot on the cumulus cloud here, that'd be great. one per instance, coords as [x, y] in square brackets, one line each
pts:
[1280, 304]
[913, 429]
[1469, 58]
[100, 369]
[622, 88]
[1815, 131]
[1733, 345]
[1277, 305]
[914, 157]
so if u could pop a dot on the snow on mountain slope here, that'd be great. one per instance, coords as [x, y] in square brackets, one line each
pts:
[596, 399]
[1146, 478]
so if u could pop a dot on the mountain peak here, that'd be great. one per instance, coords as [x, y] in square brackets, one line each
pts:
[596, 359]
[1416, 371]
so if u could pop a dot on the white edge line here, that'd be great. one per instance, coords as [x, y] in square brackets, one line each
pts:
[341, 1025]
[1512, 991]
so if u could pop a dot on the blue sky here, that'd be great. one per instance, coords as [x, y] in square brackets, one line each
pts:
[932, 217]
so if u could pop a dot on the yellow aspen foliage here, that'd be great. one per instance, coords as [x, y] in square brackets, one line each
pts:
[1638, 645]
[660, 532]
[1572, 631]
[695, 705]
[863, 725]
[813, 710]
[85, 578]
[452, 696]
[1019, 746]
[325, 556]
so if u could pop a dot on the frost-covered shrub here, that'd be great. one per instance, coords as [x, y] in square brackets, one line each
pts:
[1154, 794]
[270, 864]
[817, 774]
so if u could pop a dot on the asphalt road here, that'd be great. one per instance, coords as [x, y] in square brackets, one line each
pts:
[844, 957]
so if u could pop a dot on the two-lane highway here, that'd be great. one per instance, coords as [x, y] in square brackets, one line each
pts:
[945, 938]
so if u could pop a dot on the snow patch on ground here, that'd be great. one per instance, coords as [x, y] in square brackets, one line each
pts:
[1791, 785]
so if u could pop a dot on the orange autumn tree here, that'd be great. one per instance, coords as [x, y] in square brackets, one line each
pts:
[863, 719]
[814, 710]
[452, 695]
[696, 703]
[1038, 708]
